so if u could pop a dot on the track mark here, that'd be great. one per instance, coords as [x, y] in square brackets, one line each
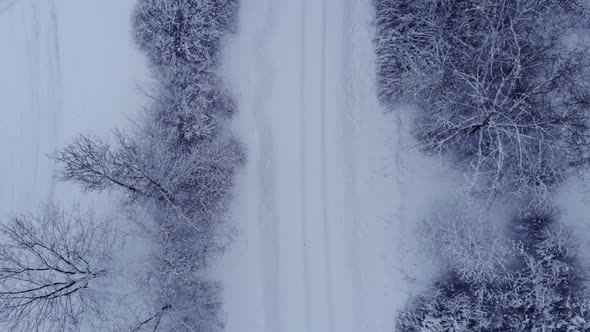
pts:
[304, 212]
[324, 174]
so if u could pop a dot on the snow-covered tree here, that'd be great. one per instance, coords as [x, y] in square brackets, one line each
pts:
[189, 181]
[183, 31]
[186, 192]
[501, 85]
[547, 284]
[543, 288]
[502, 93]
[473, 248]
[51, 270]
[179, 163]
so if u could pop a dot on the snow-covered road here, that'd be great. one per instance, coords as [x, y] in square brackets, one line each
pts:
[320, 205]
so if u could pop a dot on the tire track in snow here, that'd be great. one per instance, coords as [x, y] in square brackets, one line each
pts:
[31, 28]
[55, 88]
[351, 123]
[303, 184]
[266, 176]
[318, 279]
[329, 279]
[40, 121]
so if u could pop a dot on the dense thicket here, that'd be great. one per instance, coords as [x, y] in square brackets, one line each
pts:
[179, 165]
[502, 95]
[539, 286]
[182, 39]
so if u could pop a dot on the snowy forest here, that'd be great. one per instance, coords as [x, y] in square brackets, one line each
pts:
[323, 166]
[503, 97]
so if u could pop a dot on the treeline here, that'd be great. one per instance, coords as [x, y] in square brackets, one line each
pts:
[503, 97]
[177, 164]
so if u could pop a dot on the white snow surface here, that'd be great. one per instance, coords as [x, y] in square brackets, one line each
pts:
[66, 67]
[327, 206]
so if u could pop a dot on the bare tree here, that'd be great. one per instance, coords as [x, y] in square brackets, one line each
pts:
[191, 182]
[185, 189]
[501, 84]
[90, 162]
[51, 266]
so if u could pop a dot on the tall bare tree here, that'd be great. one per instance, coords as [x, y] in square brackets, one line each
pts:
[190, 182]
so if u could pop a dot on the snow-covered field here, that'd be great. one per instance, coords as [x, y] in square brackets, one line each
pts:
[325, 211]
[67, 66]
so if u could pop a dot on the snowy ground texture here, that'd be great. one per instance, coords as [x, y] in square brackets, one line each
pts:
[325, 204]
[63, 71]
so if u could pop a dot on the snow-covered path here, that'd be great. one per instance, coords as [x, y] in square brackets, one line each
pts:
[319, 206]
